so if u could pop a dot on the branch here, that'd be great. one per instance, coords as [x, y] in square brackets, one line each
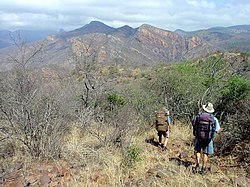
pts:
[200, 102]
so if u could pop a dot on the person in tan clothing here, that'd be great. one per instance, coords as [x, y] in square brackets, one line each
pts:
[162, 127]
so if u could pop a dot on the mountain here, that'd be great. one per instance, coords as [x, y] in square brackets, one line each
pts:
[92, 27]
[144, 45]
[224, 38]
[6, 37]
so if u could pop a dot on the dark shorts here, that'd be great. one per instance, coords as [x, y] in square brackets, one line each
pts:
[205, 147]
[163, 133]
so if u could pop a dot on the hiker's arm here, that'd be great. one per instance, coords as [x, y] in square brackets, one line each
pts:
[217, 125]
[220, 130]
[216, 139]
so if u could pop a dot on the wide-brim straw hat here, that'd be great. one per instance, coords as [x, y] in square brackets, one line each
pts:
[208, 107]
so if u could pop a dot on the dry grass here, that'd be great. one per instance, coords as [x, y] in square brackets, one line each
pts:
[97, 164]
[155, 168]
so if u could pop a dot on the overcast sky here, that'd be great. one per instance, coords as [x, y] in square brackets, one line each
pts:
[188, 15]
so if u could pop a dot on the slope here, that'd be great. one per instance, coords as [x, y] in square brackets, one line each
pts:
[92, 165]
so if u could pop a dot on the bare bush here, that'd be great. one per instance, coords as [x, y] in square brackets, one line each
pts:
[30, 114]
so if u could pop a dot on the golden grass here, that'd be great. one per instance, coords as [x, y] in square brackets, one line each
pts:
[102, 165]
[106, 170]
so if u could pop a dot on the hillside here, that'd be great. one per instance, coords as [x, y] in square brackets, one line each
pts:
[227, 38]
[145, 45]
[94, 125]
[147, 165]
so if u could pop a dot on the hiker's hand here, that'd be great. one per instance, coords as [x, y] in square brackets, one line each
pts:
[220, 130]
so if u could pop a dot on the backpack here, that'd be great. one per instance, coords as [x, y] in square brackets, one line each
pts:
[204, 127]
[161, 121]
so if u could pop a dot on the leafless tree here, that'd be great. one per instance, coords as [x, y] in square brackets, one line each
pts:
[30, 115]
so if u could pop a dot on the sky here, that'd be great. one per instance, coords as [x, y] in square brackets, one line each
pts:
[188, 15]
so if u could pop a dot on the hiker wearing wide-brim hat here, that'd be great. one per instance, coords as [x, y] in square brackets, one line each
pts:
[205, 127]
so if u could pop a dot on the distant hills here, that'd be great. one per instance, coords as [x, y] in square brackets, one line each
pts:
[137, 46]
[227, 38]
[26, 35]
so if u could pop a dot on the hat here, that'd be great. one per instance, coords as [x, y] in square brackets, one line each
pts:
[208, 107]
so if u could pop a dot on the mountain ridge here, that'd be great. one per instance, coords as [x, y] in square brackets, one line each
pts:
[142, 45]
[97, 26]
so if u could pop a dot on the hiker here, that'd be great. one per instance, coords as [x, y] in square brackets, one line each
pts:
[205, 127]
[162, 126]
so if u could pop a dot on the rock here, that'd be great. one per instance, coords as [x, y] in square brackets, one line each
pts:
[183, 155]
[44, 180]
[212, 168]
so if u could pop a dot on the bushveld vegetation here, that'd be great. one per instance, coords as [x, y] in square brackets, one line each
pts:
[97, 115]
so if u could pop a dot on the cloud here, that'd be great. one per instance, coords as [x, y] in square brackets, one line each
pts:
[166, 14]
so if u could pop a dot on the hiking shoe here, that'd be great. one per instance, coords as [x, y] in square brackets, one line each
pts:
[160, 146]
[196, 169]
[164, 148]
[203, 170]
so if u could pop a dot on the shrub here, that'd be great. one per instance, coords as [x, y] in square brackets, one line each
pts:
[131, 157]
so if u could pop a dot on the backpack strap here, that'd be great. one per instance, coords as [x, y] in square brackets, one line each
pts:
[213, 118]
[213, 127]
[196, 126]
